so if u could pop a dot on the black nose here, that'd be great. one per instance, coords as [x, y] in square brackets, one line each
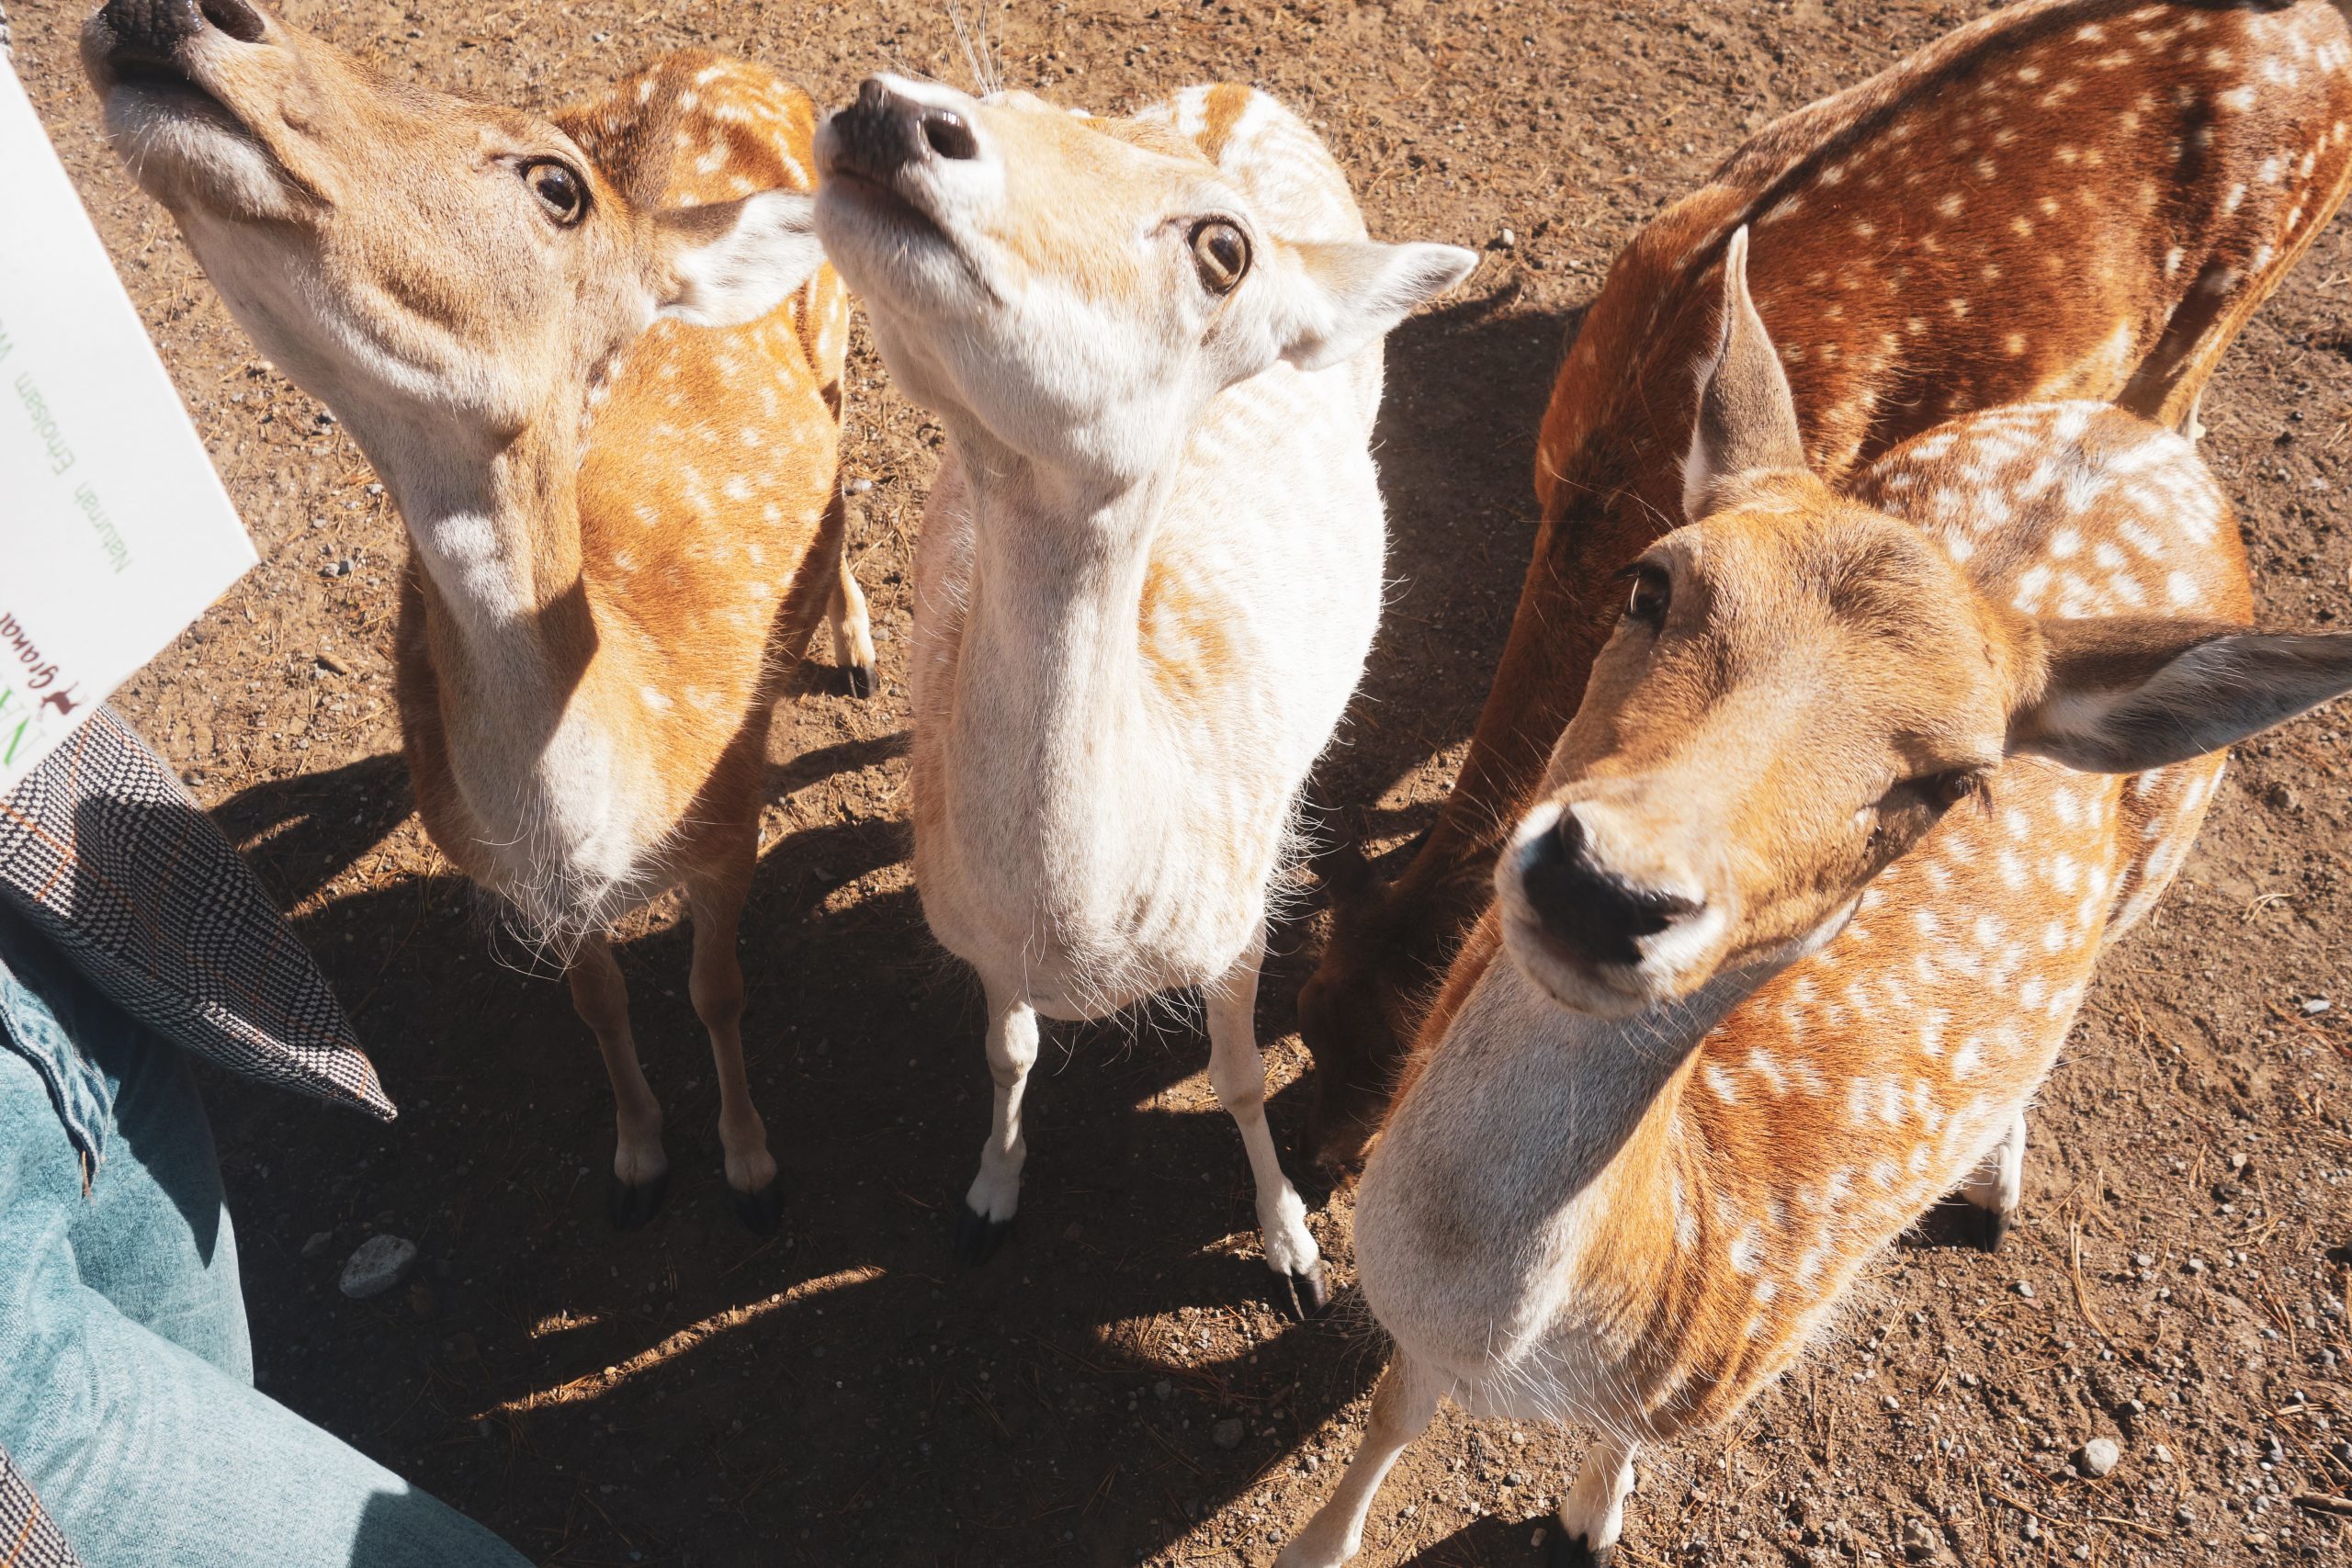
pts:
[158, 28]
[1592, 912]
[883, 132]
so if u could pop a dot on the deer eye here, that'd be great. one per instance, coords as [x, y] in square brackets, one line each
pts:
[1948, 788]
[1652, 591]
[1221, 252]
[560, 191]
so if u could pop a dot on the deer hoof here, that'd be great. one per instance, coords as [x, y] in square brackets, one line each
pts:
[863, 682]
[1562, 1550]
[762, 1212]
[631, 1203]
[1305, 1294]
[978, 1236]
[1987, 1228]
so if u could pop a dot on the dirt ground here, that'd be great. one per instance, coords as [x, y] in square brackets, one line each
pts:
[689, 1394]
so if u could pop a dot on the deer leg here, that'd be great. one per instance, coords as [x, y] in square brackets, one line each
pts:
[641, 1170]
[853, 634]
[996, 1192]
[1593, 1516]
[1238, 1073]
[716, 906]
[1401, 1408]
[1996, 1186]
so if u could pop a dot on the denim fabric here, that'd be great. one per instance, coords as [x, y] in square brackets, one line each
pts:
[83, 1100]
[126, 1395]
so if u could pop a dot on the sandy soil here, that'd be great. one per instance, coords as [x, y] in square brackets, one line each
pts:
[688, 1395]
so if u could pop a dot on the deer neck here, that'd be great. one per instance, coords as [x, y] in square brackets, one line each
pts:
[1052, 629]
[508, 627]
[1538, 1174]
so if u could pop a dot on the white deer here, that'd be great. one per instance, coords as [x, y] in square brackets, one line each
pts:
[1150, 567]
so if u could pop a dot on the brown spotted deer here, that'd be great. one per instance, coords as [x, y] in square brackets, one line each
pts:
[1150, 566]
[2070, 198]
[1815, 884]
[597, 361]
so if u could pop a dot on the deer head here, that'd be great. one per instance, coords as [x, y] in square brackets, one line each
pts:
[431, 267]
[1077, 290]
[1799, 688]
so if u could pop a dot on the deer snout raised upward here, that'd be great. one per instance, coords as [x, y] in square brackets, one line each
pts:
[888, 129]
[156, 28]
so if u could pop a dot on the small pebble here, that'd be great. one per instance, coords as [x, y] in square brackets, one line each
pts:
[2025, 1289]
[380, 1263]
[2098, 1457]
[2315, 1006]
[316, 1247]
[1227, 1434]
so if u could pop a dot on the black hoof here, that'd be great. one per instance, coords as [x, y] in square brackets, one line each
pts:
[1562, 1550]
[862, 681]
[978, 1236]
[631, 1204]
[1985, 1229]
[1305, 1295]
[762, 1212]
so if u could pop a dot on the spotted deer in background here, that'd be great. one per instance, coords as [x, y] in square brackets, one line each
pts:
[597, 361]
[1150, 566]
[2068, 199]
[1816, 880]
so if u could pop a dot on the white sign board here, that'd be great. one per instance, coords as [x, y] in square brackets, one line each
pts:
[114, 530]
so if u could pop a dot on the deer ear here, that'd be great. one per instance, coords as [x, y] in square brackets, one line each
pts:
[733, 262]
[2124, 694]
[1747, 420]
[1348, 295]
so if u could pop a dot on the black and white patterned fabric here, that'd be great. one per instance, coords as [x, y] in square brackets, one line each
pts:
[28, 1537]
[106, 855]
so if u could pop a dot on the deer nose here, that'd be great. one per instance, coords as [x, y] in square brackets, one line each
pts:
[884, 131]
[159, 26]
[1589, 910]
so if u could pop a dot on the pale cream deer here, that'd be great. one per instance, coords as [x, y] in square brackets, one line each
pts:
[1150, 567]
[1818, 876]
[597, 360]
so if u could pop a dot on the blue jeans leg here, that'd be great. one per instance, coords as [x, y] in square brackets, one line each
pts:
[153, 1236]
[146, 1441]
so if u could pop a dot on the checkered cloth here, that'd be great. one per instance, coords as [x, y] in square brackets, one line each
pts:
[28, 1537]
[105, 853]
